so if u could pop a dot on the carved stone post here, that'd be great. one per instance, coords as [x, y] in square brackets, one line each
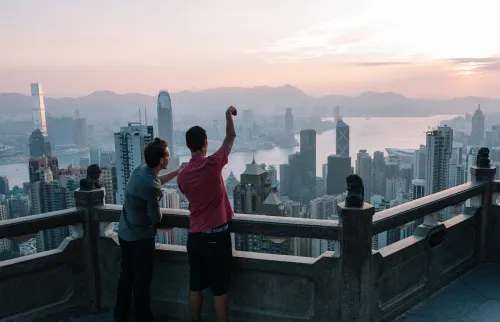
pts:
[355, 253]
[484, 172]
[88, 197]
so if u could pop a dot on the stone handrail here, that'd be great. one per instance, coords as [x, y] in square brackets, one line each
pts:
[245, 224]
[402, 214]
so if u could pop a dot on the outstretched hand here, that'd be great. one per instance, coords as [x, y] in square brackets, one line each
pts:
[183, 164]
[231, 110]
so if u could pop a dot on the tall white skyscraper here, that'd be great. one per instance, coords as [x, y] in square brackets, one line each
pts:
[165, 119]
[439, 150]
[38, 113]
[129, 146]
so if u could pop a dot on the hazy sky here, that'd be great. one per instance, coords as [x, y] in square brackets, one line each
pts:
[420, 48]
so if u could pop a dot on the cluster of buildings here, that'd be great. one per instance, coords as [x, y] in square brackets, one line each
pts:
[390, 179]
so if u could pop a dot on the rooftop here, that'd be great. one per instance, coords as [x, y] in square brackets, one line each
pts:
[445, 271]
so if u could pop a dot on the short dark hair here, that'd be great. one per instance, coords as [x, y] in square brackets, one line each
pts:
[155, 151]
[196, 138]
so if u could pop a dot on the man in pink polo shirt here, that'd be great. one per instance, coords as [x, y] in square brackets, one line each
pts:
[209, 244]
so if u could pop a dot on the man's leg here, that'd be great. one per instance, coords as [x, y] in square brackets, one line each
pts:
[125, 284]
[197, 273]
[143, 272]
[221, 254]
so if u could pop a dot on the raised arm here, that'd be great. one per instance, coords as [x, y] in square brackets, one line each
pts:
[164, 178]
[230, 130]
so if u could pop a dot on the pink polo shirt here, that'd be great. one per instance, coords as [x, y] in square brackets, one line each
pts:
[202, 184]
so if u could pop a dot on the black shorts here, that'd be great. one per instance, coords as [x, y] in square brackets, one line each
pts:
[209, 258]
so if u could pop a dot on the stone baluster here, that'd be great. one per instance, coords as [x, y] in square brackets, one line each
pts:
[355, 253]
[483, 172]
[91, 195]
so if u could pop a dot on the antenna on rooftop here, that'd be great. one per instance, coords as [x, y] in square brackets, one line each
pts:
[140, 118]
[146, 116]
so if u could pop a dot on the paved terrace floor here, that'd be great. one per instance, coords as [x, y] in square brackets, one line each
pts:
[474, 297]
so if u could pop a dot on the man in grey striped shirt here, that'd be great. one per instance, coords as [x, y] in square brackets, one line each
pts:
[136, 232]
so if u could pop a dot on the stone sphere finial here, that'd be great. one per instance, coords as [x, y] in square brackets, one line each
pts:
[355, 191]
[92, 181]
[483, 158]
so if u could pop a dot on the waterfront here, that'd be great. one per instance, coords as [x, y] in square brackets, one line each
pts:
[373, 134]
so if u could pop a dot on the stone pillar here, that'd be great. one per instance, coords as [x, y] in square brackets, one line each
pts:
[484, 174]
[89, 200]
[355, 257]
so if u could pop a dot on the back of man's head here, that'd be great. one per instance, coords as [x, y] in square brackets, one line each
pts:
[155, 151]
[196, 137]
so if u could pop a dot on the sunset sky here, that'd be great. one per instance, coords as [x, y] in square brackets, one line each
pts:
[424, 48]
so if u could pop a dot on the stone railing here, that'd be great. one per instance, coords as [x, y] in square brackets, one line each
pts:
[357, 284]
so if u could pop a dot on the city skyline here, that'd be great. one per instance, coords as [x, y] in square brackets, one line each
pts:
[328, 47]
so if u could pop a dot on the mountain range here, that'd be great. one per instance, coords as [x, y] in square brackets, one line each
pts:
[101, 105]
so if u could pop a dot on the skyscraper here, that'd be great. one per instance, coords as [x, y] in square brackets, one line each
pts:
[420, 163]
[129, 146]
[439, 148]
[379, 177]
[39, 145]
[81, 132]
[477, 133]
[61, 130]
[165, 119]
[108, 178]
[308, 171]
[417, 189]
[38, 105]
[95, 155]
[342, 135]
[273, 176]
[364, 169]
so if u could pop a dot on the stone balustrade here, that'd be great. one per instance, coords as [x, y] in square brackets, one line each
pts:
[355, 284]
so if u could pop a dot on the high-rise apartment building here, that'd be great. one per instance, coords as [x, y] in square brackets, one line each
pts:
[364, 169]
[342, 136]
[129, 146]
[165, 119]
[324, 208]
[417, 189]
[477, 133]
[420, 163]
[108, 179]
[439, 150]
[273, 176]
[38, 105]
[339, 168]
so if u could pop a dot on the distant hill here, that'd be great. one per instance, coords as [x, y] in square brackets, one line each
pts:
[106, 105]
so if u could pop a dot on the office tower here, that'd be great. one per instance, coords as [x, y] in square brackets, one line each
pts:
[420, 162]
[165, 119]
[417, 189]
[394, 188]
[61, 130]
[231, 183]
[308, 171]
[39, 144]
[439, 149]
[129, 146]
[95, 155]
[81, 132]
[489, 139]
[379, 177]
[324, 171]
[38, 105]
[294, 179]
[289, 120]
[339, 168]
[273, 176]
[4, 185]
[477, 134]
[253, 189]
[284, 179]
[342, 136]
[455, 161]
[406, 172]
[108, 179]
[364, 170]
